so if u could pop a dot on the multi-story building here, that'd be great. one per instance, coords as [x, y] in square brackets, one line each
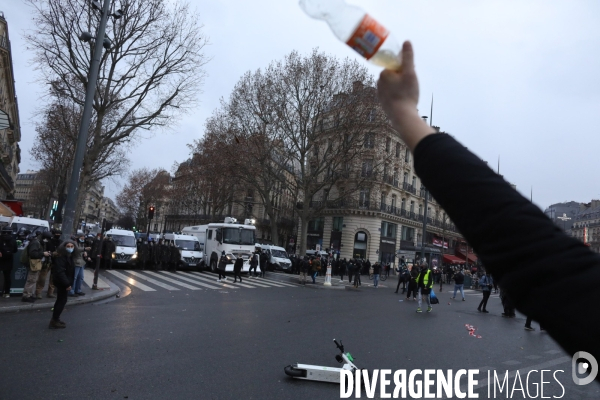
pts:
[109, 210]
[586, 224]
[563, 214]
[24, 185]
[10, 128]
[386, 212]
[90, 207]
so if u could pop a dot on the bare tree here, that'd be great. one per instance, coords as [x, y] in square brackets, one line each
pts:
[150, 76]
[144, 187]
[324, 117]
[54, 147]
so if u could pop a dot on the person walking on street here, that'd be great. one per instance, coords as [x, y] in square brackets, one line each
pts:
[108, 248]
[80, 257]
[343, 265]
[459, 284]
[237, 269]
[221, 267]
[254, 263]
[304, 266]
[376, 272]
[486, 283]
[528, 326]
[400, 269]
[63, 273]
[263, 265]
[412, 283]
[8, 247]
[50, 242]
[33, 259]
[424, 284]
[315, 268]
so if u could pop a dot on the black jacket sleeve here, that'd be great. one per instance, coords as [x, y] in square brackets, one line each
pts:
[531, 258]
[59, 272]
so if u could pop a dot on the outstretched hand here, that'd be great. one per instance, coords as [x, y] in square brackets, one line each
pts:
[398, 92]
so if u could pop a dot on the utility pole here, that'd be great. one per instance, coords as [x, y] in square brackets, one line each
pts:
[84, 126]
[424, 237]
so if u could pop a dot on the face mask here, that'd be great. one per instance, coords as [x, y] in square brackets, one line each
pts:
[69, 249]
[80, 240]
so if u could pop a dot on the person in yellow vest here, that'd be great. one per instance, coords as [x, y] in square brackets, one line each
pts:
[424, 284]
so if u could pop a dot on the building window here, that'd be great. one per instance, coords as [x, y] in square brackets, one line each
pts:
[393, 201]
[408, 234]
[382, 200]
[369, 140]
[371, 116]
[403, 204]
[420, 209]
[364, 198]
[405, 177]
[414, 182]
[412, 206]
[367, 168]
[388, 230]
[407, 155]
[398, 150]
[360, 245]
[338, 223]
[388, 144]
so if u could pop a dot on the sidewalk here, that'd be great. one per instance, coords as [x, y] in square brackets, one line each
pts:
[107, 290]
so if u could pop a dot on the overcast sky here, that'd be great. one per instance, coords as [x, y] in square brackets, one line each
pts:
[515, 79]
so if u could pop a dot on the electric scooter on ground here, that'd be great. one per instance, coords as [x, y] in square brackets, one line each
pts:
[323, 374]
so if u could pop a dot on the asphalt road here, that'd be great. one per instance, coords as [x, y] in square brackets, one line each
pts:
[234, 343]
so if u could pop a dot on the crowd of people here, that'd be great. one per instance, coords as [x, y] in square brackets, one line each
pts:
[157, 255]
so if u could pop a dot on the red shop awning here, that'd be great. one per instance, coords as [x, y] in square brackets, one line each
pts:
[472, 257]
[452, 259]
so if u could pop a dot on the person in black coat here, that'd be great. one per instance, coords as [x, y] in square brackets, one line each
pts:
[8, 247]
[237, 268]
[63, 273]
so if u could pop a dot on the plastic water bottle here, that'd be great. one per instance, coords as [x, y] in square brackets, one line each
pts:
[353, 26]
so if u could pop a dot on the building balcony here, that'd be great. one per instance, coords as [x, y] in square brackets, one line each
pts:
[409, 188]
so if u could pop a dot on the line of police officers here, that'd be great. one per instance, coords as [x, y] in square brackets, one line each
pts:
[161, 255]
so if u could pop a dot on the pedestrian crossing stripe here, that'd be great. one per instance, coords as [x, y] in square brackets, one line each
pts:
[262, 281]
[88, 278]
[154, 281]
[191, 281]
[198, 279]
[267, 281]
[211, 277]
[131, 281]
[194, 281]
[185, 285]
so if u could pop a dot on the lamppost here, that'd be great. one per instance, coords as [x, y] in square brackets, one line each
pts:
[564, 218]
[101, 41]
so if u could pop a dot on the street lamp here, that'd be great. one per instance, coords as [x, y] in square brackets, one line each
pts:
[100, 41]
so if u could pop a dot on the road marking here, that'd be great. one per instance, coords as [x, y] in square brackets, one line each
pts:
[131, 281]
[88, 278]
[210, 275]
[223, 284]
[202, 279]
[277, 282]
[153, 281]
[265, 282]
[195, 282]
[185, 285]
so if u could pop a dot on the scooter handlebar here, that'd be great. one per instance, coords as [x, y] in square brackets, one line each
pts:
[339, 346]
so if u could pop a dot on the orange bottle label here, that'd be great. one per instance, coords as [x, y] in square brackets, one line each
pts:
[368, 37]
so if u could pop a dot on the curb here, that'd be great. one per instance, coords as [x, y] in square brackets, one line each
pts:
[42, 306]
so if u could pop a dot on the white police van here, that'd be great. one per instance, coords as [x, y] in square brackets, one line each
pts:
[277, 258]
[125, 247]
[189, 249]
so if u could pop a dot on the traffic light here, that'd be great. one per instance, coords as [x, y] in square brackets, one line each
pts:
[151, 212]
